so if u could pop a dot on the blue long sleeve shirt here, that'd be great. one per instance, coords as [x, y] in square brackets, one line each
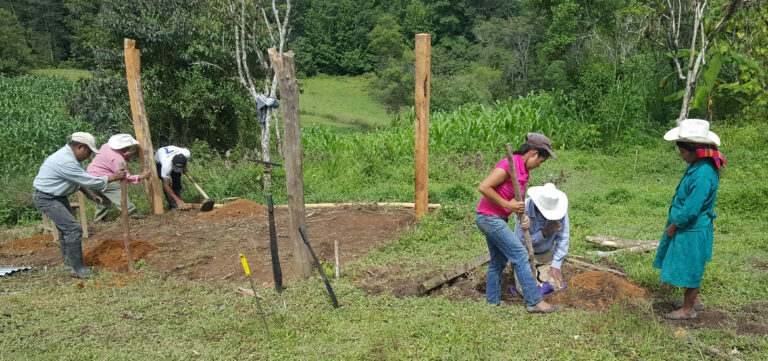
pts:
[559, 240]
[61, 175]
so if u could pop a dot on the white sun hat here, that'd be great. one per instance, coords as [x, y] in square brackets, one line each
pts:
[551, 202]
[85, 138]
[120, 141]
[693, 130]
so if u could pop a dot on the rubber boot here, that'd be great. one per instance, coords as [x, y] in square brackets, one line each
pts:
[73, 257]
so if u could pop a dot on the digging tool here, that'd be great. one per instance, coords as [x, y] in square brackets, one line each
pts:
[253, 286]
[519, 198]
[264, 162]
[207, 201]
[277, 272]
[126, 226]
[320, 269]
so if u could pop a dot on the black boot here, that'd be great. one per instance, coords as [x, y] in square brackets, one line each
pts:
[73, 257]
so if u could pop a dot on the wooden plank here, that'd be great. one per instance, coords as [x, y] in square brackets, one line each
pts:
[294, 178]
[449, 275]
[422, 77]
[595, 267]
[615, 242]
[83, 218]
[641, 248]
[141, 126]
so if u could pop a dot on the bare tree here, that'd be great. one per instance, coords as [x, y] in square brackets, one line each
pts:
[254, 33]
[702, 37]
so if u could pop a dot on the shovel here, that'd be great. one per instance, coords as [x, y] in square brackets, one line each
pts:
[207, 202]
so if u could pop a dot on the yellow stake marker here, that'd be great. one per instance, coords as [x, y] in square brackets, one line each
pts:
[253, 287]
[245, 265]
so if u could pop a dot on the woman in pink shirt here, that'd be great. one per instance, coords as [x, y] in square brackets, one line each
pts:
[493, 213]
[111, 156]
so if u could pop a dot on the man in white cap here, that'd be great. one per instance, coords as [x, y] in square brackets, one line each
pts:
[60, 175]
[171, 162]
[110, 159]
[547, 221]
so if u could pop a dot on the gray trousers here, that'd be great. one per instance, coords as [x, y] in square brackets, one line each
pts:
[111, 195]
[58, 210]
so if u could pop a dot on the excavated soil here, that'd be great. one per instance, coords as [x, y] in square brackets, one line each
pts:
[237, 209]
[110, 254]
[596, 290]
[205, 246]
[29, 245]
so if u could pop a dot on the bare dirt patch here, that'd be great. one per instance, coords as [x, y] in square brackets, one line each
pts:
[709, 317]
[28, 245]
[751, 319]
[206, 246]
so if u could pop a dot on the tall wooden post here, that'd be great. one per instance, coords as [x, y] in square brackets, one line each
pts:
[423, 54]
[141, 126]
[294, 178]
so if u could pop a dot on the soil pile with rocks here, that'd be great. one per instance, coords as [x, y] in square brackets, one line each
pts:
[596, 290]
[110, 254]
[236, 209]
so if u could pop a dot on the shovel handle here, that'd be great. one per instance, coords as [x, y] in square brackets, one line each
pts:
[519, 197]
[197, 186]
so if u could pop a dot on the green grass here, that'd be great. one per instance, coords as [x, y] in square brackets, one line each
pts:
[71, 74]
[340, 103]
[608, 195]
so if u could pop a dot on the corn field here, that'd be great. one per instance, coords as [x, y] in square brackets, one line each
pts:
[34, 121]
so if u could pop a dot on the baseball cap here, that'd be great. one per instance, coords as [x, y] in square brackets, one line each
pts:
[178, 163]
[539, 140]
[85, 138]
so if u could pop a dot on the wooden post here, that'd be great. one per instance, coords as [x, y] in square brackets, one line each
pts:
[83, 218]
[126, 227]
[294, 178]
[423, 53]
[141, 126]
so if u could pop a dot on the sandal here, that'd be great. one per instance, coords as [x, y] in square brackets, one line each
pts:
[679, 304]
[537, 309]
[673, 316]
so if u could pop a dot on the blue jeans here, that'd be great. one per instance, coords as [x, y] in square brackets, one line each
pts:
[504, 246]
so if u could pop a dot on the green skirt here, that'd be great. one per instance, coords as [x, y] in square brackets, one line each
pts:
[682, 259]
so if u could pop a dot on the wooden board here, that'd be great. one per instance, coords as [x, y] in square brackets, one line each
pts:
[449, 275]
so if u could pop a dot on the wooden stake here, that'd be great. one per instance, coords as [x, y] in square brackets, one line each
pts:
[519, 197]
[126, 226]
[336, 256]
[294, 178]
[422, 70]
[83, 219]
[141, 126]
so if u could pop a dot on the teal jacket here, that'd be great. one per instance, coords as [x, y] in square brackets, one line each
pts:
[682, 258]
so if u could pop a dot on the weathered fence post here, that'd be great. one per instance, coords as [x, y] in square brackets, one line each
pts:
[422, 69]
[141, 125]
[294, 178]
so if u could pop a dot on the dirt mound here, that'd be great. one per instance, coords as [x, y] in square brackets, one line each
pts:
[29, 245]
[596, 289]
[238, 208]
[110, 254]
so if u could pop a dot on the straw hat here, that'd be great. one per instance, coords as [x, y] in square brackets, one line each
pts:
[120, 141]
[694, 131]
[551, 202]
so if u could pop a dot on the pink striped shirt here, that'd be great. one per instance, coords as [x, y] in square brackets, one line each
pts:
[107, 162]
[505, 189]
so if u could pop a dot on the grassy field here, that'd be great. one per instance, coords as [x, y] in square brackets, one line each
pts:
[47, 315]
[340, 103]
